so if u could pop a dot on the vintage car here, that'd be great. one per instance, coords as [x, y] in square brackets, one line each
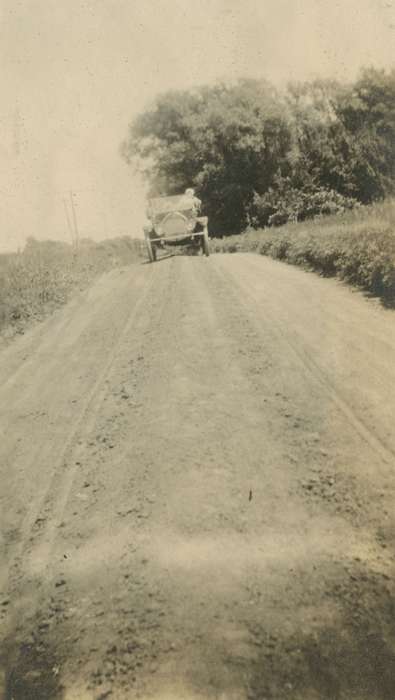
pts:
[174, 221]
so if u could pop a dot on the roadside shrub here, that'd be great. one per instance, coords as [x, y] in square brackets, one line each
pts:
[357, 246]
[45, 274]
[285, 203]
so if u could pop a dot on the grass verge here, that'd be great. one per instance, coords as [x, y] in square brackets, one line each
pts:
[358, 247]
[42, 277]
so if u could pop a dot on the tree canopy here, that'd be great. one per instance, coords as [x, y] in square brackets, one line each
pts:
[259, 157]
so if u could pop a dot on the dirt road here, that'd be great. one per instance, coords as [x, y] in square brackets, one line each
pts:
[197, 490]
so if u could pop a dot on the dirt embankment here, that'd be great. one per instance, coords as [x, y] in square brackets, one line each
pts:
[197, 477]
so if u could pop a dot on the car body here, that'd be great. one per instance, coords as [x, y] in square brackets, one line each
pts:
[175, 220]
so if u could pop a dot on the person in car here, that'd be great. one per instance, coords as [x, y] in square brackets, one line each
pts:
[191, 201]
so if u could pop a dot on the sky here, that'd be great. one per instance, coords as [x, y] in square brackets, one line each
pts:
[73, 74]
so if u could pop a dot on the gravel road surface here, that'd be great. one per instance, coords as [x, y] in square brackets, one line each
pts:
[197, 490]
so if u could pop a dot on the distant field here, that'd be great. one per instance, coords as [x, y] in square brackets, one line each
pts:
[43, 276]
[358, 247]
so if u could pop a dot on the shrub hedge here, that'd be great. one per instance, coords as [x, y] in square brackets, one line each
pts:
[44, 275]
[358, 247]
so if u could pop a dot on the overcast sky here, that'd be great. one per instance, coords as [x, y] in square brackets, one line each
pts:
[73, 74]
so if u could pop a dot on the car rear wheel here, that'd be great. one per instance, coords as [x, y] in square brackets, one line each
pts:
[150, 250]
[205, 245]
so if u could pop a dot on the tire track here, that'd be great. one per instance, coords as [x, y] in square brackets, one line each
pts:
[376, 444]
[56, 499]
[86, 416]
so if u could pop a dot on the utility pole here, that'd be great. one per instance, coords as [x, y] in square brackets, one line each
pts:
[68, 220]
[77, 235]
[17, 132]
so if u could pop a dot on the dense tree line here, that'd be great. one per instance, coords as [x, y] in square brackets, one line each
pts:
[261, 157]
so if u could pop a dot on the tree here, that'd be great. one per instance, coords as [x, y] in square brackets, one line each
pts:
[366, 111]
[343, 149]
[228, 141]
[259, 158]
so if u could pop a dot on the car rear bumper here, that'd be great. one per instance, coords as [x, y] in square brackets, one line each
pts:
[179, 238]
